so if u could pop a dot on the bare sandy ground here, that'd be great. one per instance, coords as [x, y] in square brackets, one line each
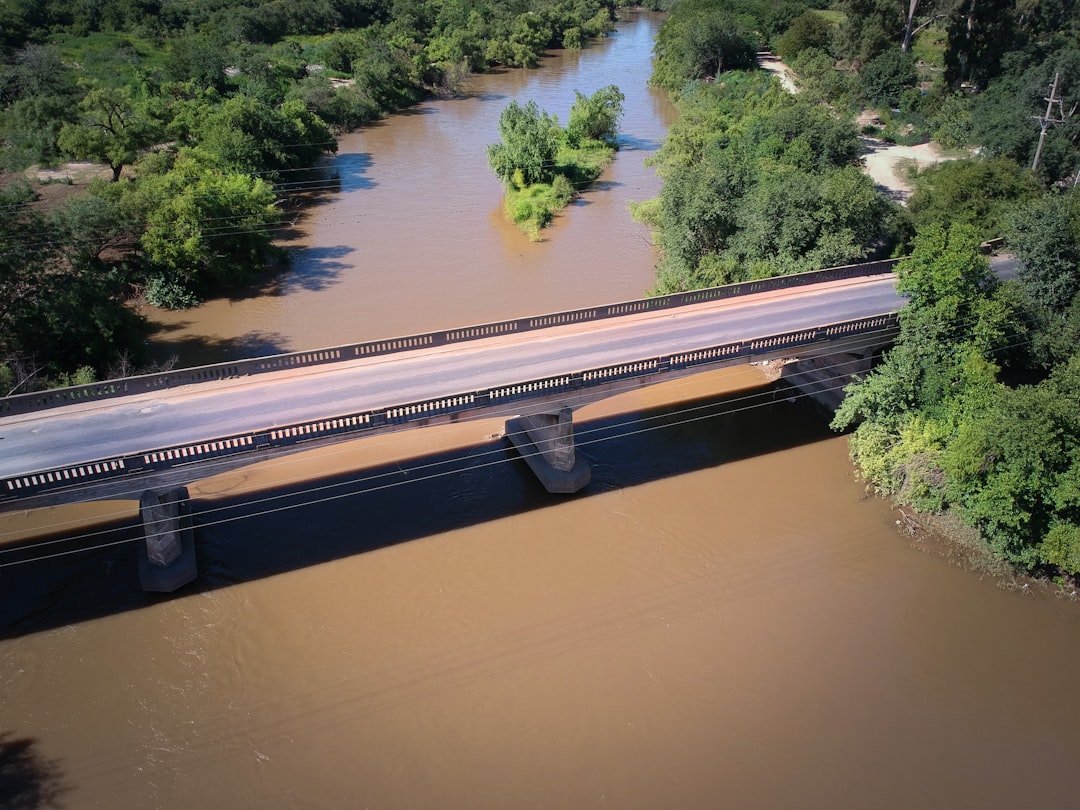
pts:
[773, 64]
[888, 164]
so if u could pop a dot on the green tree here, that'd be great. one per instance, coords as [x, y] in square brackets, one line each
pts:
[701, 39]
[59, 309]
[1045, 236]
[250, 136]
[951, 121]
[949, 284]
[808, 30]
[980, 32]
[885, 77]
[1012, 470]
[976, 191]
[528, 146]
[115, 127]
[870, 28]
[596, 117]
[934, 426]
[199, 58]
[204, 226]
[819, 80]
[387, 73]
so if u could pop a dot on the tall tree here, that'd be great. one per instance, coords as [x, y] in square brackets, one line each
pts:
[596, 117]
[980, 32]
[115, 127]
[1045, 235]
[700, 40]
[203, 226]
[920, 14]
[529, 143]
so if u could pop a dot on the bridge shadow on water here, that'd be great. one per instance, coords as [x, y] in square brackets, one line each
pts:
[318, 521]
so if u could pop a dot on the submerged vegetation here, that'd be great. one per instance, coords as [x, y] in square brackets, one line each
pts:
[542, 165]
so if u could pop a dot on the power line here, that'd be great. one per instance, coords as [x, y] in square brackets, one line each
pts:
[581, 437]
[691, 414]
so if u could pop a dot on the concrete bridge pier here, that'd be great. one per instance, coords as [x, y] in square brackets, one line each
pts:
[546, 442]
[167, 557]
[824, 378]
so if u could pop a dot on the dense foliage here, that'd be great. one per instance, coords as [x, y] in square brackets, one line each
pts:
[758, 182]
[543, 165]
[938, 426]
[976, 408]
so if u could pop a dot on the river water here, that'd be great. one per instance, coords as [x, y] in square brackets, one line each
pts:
[407, 232]
[723, 618]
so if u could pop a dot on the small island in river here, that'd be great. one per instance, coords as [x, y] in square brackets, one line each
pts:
[543, 165]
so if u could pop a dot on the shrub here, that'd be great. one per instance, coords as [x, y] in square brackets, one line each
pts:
[170, 293]
[808, 30]
[886, 76]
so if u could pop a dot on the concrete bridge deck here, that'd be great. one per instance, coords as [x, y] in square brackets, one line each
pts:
[64, 449]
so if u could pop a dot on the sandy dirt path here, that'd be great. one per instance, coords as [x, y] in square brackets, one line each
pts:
[886, 164]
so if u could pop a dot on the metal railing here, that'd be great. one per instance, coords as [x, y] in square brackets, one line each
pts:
[149, 383]
[30, 484]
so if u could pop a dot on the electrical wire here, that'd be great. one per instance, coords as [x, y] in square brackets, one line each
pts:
[497, 456]
[510, 409]
[868, 338]
[378, 487]
[207, 468]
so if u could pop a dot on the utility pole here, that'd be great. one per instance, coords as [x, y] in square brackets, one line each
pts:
[1046, 120]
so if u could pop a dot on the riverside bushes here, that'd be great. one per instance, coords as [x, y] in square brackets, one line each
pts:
[542, 165]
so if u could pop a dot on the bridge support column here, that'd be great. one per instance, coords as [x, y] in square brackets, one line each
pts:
[824, 378]
[546, 442]
[167, 557]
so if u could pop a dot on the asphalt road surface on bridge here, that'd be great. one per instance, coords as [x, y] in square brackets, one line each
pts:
[75, 434]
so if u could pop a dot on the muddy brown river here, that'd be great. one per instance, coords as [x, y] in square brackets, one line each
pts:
[407, 233]
[722, 618]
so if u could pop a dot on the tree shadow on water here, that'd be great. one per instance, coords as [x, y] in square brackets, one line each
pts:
[200, 350]
[28, 780]
[352, 170]
[316, 268]
[634, 143]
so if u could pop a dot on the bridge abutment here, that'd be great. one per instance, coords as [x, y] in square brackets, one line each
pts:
[546, 442]
[824, 378]
[167, 555]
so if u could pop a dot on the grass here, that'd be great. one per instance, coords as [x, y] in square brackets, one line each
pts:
[835, 17]
[929, 47]
[533, 207]
[114, 57]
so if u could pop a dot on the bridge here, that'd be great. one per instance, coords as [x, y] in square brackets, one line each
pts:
[85, 442]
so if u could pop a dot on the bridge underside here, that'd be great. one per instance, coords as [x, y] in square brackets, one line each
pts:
[179, 466]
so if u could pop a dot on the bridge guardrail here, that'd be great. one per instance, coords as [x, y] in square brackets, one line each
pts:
[149, 383]
[36, 483]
